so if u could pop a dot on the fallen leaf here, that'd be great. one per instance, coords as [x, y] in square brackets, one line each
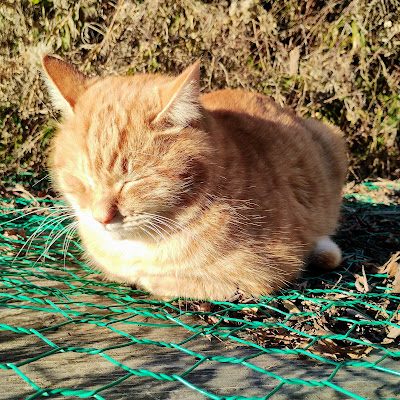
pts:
[294, 57]
[279, 336]
[15, 234]
[394, 333]
[291, 307]
[10, 235]
[250, 310]
[329, 348]
[362, 282]
[204, 307]
[212, 319]
[396, 282]
[391, 267]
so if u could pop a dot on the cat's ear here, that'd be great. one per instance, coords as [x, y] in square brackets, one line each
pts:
[65, 83]
[180, 100]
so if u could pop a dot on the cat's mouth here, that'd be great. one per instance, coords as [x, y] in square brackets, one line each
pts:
[151, 227]
[124, 227]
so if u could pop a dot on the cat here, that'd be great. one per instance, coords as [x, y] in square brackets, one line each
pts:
[197, 196]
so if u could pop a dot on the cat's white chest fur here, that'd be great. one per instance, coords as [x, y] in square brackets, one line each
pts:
[126, 250]
[113, 253]
[124, 260]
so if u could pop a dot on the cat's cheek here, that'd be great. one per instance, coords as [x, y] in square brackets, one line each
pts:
[73, 185]
[84, 215]
[72, 202]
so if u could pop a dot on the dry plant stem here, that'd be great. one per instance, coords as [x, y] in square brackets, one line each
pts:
[347, 62]
[97, 49]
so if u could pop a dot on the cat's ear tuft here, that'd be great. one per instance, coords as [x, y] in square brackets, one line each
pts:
[65, 83]
[180, 100]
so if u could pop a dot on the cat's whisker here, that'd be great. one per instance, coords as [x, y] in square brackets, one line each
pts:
[57, 236]
[158, 230]
[68, 237]
[40, 180]
[160, 220]
[171, 221]
[144, 228]
[171, 254]
[33, 210]
[47, 222]
[35, 236]
[168, 223]
[58, 223]
[41, 228]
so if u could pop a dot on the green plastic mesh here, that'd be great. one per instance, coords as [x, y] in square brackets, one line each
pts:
[56, 312]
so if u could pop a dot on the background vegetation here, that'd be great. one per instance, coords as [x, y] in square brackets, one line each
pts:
[335, 60]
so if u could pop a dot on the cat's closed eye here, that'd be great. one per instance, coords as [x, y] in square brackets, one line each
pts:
[131, 185]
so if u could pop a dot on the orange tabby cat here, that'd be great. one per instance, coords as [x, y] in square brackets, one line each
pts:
[189, 195]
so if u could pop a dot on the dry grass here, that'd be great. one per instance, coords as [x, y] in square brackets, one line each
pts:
[335, 60]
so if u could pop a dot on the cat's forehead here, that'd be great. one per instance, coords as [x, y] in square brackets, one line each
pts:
[118, 106]
[111, 122]
[131, 94]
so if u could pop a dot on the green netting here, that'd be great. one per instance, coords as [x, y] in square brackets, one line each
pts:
[66, 332]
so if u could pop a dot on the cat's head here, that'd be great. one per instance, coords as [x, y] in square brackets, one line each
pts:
[129, 147]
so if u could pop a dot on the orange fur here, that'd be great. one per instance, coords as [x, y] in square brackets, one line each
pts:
[193, 196]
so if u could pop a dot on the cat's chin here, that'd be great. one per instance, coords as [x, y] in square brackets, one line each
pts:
[122, 233]
[119, 234]
[116, 230]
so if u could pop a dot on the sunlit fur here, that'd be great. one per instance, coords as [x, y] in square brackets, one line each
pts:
[234, 194]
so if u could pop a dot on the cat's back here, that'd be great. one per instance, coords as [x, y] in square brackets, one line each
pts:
[255, 121]
[247, 104]
[291, 165]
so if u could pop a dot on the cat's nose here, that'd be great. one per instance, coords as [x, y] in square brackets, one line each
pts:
[104, 215]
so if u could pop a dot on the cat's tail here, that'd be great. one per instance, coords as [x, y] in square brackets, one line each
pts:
[326, 254]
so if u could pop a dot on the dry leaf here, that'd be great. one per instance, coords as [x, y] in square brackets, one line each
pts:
[294, 57]
[250, 310]
[362, 282]
[290, 307]
[203, 307]
[391, 267]
[324, 347]
[280, 336]
[394, 333]
[10, 235]
[15, 234]
[212, 319]
[396, 282]
[329, 348]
